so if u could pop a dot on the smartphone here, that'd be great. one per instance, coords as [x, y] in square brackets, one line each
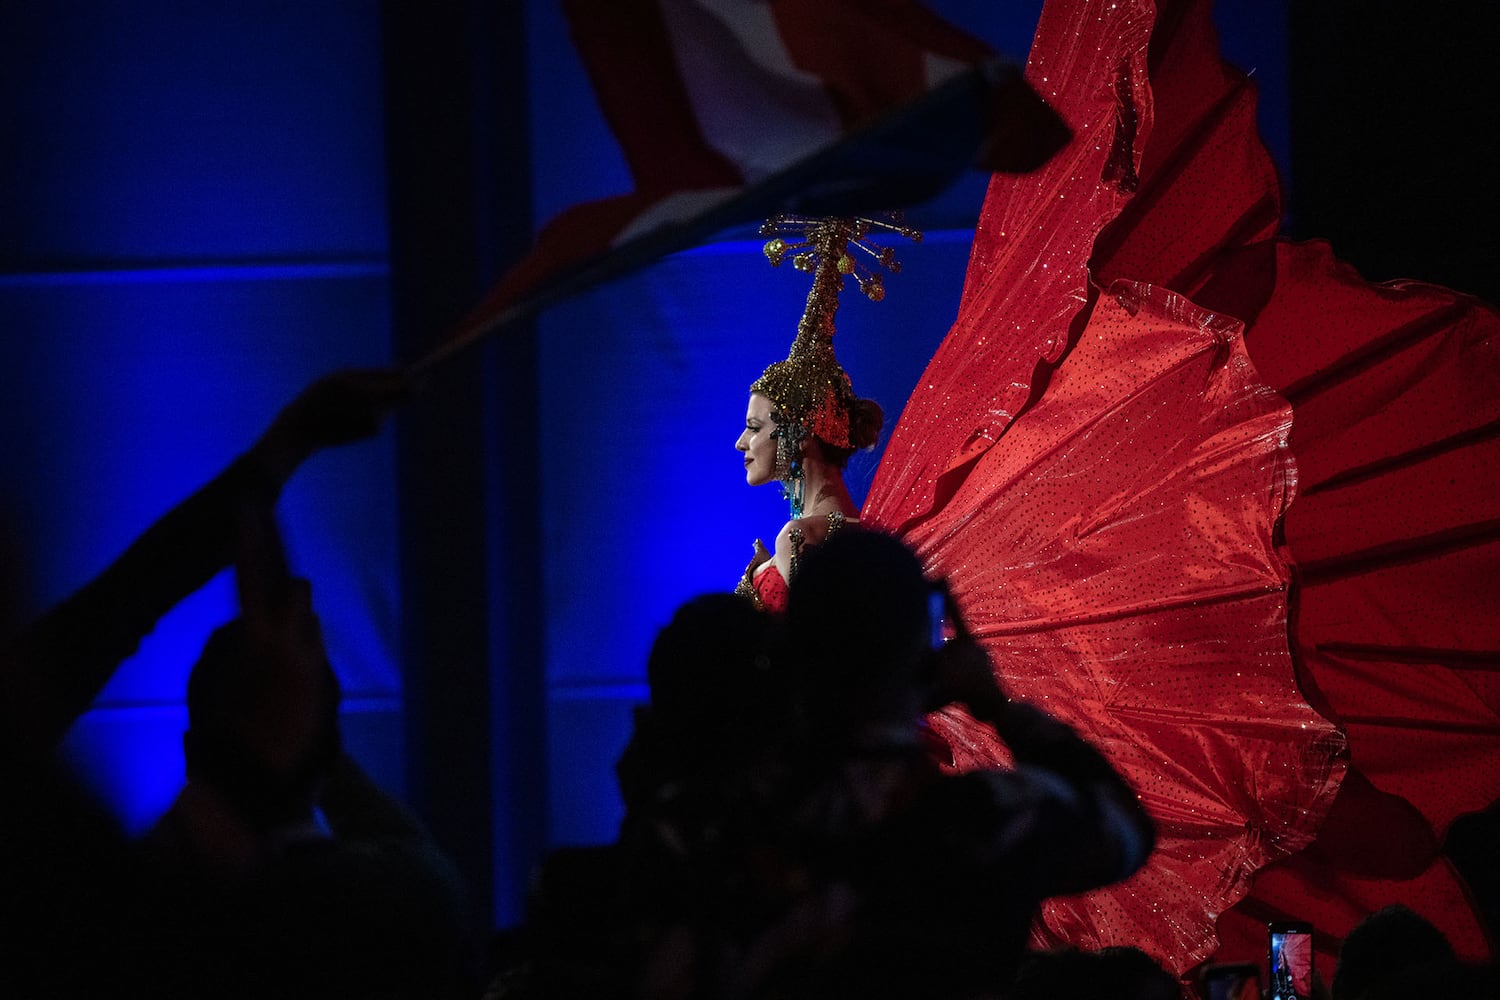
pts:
[1232, 981]
[1290, 960]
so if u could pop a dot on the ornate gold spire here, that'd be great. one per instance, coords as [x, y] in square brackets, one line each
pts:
[809, 389]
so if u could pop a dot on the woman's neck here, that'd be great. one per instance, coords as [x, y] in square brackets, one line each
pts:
[824, 490]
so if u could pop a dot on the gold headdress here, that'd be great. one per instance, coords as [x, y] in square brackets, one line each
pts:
[810, 390]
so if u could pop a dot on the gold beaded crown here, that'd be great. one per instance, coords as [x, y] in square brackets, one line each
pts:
[810, 389]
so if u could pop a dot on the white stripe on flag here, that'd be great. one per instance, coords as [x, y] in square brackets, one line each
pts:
[938, 68]
[752, 104]
[680, 206]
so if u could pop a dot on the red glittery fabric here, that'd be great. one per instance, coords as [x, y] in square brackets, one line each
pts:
[770, 588]
[1141, 383]
[1395, 539]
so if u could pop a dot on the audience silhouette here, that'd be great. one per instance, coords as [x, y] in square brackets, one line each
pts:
[787, 833]
[331, 887]
[235, 895]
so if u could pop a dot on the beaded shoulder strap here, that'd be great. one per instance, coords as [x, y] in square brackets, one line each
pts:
[836, 522]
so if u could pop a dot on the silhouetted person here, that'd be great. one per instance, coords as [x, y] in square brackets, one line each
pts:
[1396, 953]
[703, 761]
[788, 833]
[834, 858]
[930, 881]
[258, 751]
[67, 873]
[718, 708]
[366, 906]
[51, 672]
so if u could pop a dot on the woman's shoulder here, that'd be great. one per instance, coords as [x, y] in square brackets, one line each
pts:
[813, 529]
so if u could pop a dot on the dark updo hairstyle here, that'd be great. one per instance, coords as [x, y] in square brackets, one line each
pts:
[866, 418]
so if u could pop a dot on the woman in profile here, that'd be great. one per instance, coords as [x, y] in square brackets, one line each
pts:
[804, 420]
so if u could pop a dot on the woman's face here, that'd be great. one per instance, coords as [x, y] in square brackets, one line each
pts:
[758, 441]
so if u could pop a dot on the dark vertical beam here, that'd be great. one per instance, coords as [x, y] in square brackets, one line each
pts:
[440, 441]
[514, 514]
[458, 196]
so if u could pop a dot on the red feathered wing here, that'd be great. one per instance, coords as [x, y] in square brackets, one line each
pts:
[1098, 460]
[1395, 535]
[1098, 473]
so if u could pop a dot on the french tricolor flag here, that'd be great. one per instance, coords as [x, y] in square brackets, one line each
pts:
[729, 111]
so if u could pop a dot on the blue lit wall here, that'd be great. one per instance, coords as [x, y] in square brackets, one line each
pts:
[193, 228]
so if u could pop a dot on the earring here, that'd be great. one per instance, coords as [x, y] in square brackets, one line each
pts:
[789, 438]
[793, 490]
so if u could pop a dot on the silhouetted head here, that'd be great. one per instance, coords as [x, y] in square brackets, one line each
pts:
[238, 706]
[711, 676]
[1385, 948]
[858, 623]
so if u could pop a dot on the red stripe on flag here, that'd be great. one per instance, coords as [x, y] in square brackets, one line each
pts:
[628, 53]
[569, 239]
[870, 54]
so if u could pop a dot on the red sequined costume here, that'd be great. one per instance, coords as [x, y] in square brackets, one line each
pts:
[1141, 385]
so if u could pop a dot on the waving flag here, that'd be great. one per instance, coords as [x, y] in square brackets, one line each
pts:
[732, 110]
